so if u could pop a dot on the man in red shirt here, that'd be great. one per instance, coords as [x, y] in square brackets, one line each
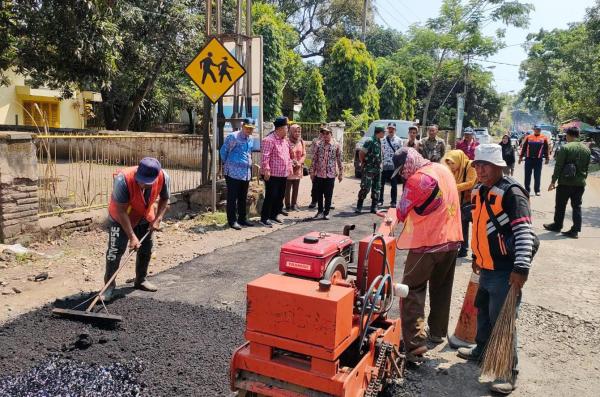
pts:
[468, 143]
[535, 149]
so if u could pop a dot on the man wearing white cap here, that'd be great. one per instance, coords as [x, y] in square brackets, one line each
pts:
[503, 246]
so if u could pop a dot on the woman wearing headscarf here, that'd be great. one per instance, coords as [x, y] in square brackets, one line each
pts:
[430, 210]
[298, 155]
[508, 155]
[465, 177]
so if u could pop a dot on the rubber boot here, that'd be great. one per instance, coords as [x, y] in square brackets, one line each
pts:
[359, 206]
[141, 271]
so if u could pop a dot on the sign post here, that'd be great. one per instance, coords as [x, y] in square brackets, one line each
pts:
[214, 70]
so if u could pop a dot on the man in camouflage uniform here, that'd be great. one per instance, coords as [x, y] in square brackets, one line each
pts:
[370, 159]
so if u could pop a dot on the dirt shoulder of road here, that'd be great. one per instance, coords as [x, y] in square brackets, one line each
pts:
[76, 264]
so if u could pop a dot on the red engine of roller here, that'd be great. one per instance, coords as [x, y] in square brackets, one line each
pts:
[308, 256]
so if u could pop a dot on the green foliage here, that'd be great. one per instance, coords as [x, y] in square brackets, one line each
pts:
[382, 42]
[320, 23]
[355, 123]
[7, 39]
[120, 49]
[350, 75]
[278, 38]
[393, 99]
[560, 69]
[314, 105]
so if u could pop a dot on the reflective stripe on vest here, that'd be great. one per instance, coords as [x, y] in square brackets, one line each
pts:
[138, 208]
[443, 224]
[487, 243]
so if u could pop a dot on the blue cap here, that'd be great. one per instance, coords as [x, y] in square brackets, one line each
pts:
[248, 122]
[537, 127]
[281, 121]
[148, 171]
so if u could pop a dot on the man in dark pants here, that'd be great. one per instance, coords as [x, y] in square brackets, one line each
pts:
[133, 213]
[276, 166]
[370, 160]
[236, 154]
[390, 144]
[313, 190]
[325, 167]
[535, 149]
[501, 214]
[570, 171]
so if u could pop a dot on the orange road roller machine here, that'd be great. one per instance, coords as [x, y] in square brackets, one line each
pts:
[322, 327]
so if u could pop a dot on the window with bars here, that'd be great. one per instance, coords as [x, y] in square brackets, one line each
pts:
[50, 111]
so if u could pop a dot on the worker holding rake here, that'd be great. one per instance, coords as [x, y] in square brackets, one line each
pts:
[134, 214]
[503, 246]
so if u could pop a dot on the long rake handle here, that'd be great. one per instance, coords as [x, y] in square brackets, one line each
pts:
[114, 276]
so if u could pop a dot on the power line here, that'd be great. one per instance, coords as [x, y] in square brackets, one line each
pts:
[396, 11]
[409, 10]
[499, 63]
[382, 18]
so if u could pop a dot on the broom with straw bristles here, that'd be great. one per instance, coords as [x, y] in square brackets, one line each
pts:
[499, 354]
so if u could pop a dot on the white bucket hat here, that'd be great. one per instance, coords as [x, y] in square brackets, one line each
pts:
[490, 153]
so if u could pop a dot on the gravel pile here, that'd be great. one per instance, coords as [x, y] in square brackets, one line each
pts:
[61, 377]
[186, 349]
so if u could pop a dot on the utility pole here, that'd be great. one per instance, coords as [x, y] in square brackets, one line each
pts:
[364, 21]
[460, 103]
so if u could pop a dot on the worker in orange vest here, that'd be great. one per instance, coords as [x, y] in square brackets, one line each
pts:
[133, 212]
[432, 232]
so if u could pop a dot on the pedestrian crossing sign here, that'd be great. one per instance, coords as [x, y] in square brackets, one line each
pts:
[214, 70]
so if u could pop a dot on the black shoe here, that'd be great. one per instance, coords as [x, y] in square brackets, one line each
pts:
[296, 208]
[570, 234]
[235, 226]
[551, 227]
[331, 207]
[359, 206]
[469, 353]
[318, 215]
[312, 205]
[284, 213]
[266, 223]
[380, 203]
[325, 217]
[392, 205]
[462, 254]
[373, 209]
[246, 223]
[276, 220]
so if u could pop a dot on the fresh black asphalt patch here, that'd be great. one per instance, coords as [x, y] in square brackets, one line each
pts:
[175, 342]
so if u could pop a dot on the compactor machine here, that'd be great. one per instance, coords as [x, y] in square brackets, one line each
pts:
[321, 328]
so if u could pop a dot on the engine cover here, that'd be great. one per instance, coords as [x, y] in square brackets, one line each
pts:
[308, 255]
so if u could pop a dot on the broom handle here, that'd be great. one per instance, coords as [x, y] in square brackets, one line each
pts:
[114, 276]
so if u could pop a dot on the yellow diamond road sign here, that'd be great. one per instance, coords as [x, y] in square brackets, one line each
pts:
[214, 70]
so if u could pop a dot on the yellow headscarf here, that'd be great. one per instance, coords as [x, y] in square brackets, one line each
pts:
[460, 158]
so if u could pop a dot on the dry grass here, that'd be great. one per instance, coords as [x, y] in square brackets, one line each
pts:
[499, 354]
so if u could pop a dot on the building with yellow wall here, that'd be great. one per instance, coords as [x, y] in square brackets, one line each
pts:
[18, 105]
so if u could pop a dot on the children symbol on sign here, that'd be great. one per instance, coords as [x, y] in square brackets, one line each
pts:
[223, 66]
[205, 65]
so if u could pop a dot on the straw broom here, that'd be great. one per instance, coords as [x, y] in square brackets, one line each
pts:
[499, 354]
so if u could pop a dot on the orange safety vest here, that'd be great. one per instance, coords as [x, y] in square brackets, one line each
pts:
[138, 208]
[443, 224]
[489, 245]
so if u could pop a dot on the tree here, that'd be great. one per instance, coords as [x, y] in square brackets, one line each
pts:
[7, 39]
[278, 39]
[320, 23]
[383, 42]
[392, 102]
[117, 48]
[314, 106]
[457, 31]
[558, 71]
[350, 75]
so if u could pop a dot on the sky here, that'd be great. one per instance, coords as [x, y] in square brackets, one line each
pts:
[549, 14]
